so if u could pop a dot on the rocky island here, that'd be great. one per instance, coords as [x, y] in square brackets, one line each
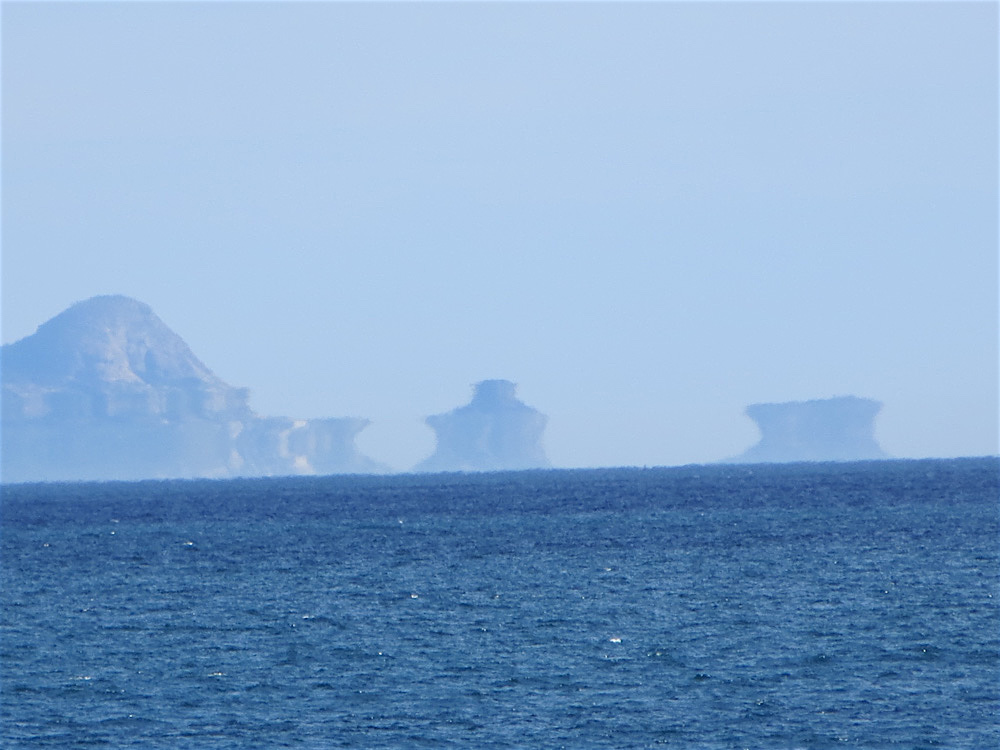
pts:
[105, 390]
[832, 429]
[494, 432]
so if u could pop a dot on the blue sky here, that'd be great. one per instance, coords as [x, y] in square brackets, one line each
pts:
[648, 215]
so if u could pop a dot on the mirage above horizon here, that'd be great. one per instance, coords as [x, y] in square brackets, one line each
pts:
[106, 391]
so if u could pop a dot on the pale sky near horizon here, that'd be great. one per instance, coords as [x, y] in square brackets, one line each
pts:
[648, 215]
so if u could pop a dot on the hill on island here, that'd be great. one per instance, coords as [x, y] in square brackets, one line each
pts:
[105, 390]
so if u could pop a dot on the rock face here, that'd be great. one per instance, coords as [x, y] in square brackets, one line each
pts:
[495, 432]
[833, 429]
[105, 390]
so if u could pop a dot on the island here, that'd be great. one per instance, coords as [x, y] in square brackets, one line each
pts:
[494, 432]
[832, 429]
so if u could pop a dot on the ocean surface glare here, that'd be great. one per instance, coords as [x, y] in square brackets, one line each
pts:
[799, 606]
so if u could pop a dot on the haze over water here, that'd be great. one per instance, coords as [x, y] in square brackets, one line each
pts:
[648, 215]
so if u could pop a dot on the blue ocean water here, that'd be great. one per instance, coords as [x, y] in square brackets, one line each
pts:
[801, 606]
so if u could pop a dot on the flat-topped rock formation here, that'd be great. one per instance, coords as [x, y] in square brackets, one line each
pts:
[832, 429]
[105, 390]
[494, 432]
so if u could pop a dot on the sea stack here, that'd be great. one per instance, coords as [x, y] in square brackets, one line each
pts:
[832, 429]
[494, 432]
[105, 390]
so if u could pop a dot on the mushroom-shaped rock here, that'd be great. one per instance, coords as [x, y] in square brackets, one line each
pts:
[832, 429]
[494, 432]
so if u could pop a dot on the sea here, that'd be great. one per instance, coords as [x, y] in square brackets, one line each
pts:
[851, 605]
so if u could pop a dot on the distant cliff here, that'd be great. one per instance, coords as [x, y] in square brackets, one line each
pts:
[833, 429]
[494, 432]
[105, 390]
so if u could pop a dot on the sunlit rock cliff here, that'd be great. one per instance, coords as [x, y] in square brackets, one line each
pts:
[105, 390]
[494, 432]
[832, 429]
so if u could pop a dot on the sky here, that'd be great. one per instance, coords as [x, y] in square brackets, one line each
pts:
[648, 215]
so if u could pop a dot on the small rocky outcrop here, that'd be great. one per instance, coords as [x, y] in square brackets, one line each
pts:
[832, 429]
[105, 390]
[494, 432]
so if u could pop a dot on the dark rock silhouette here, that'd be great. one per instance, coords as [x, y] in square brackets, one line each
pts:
[105, 390]
[833, 429]
[494, 432]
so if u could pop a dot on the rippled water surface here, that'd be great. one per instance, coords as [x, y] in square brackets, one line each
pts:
[807, 606]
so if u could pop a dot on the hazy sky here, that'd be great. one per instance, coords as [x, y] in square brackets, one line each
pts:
[647, 215]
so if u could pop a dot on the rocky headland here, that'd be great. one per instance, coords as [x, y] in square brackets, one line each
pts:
[105, 390]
